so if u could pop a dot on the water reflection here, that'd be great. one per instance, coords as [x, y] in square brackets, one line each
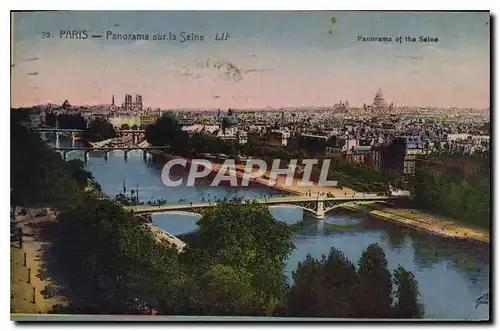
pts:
[176, 223]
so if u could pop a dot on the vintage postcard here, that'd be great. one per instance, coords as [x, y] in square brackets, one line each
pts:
[250, 165]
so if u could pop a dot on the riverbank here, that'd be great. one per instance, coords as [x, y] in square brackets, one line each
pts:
[27, 280]
[420, 220]
[162, 235]
[311, 190]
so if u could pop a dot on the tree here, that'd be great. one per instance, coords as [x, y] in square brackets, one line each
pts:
[452, 192]
[99, 129]
[124, 126]
[303, 296]
[331, 287]
[71, 121]
[222, 290]
[407, 305]
[39, 177]
[77, 170]
[375, 284]
[112, 263]
[164, 132]
[325, 288]
[244, 237]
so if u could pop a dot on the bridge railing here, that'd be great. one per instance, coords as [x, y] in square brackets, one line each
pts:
[284, 200]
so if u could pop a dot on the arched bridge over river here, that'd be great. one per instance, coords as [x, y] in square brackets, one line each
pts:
[316, 206]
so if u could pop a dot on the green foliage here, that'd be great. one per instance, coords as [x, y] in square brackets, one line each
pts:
[164, 132]
[331, 287]
[326, 288]
[80, 175]
[375, 285]
[111, 262]
[221, 290]
[99, 129]
[70, 121]
[167, 132]
[39, 177]
[360, 177]
[451, 194]
[407, 293]
[244, 237]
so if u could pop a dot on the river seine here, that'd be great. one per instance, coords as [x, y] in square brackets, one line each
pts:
[451, 275]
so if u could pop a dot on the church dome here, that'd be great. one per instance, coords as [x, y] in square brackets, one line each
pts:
[379, 102]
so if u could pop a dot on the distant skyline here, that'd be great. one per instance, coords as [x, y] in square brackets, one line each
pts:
[271, 59]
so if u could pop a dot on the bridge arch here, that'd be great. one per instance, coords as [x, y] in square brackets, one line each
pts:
[330, 208]
[69, 152]
[130, 149]
[65, 153]
[177, 212]
[291, 205]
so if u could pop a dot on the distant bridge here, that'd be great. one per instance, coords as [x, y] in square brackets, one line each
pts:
[316, 206]
[57, 130]
[106, 150]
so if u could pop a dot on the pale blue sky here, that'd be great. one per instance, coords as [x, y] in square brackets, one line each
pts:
[299, 61]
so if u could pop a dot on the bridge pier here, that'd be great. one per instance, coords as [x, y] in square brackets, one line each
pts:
[125, 155]
[105, 156]
[145, 155]
[85, 156]
[58, 142]
[65, 155]
[319, 212]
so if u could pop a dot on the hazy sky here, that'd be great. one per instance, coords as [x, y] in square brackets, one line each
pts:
[282, 59]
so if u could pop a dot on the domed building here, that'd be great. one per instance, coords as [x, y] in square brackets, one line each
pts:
[379, 103]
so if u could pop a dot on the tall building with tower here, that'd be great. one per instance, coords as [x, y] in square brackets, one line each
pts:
[128, 102]
[113, 101]
[138, 101]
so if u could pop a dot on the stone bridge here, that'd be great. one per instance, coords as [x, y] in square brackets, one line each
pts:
[106, 150]
[315, 206]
